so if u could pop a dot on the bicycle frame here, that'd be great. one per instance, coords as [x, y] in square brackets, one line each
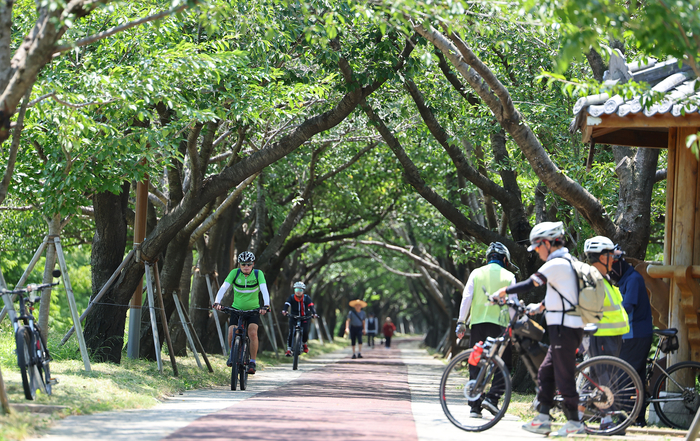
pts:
[497, 346]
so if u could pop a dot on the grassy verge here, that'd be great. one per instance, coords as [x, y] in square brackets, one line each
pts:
[129, 385]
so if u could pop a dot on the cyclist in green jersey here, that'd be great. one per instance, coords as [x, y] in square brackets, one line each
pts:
[247, 284]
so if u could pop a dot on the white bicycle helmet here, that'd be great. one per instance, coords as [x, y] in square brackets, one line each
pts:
[598, 245]
[497, 248]
[246, 257]
[299, 285]
[545, 231]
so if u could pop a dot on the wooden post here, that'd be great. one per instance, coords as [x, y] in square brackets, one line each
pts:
[164, 319]
[152, 311]
[186, 327]
[683, 226]
[71, 303]
[3, 397]
[195, 337]
[216, 316]
[132, 347]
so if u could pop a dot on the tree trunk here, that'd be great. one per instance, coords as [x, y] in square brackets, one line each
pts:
[108, 246]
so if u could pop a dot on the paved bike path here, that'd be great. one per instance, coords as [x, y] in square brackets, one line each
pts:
[388, 395]
[346, 400]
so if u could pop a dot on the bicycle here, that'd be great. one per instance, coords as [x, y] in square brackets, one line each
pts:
[33, 355]
[240, 347]
[297, 340]
[676, 392]
[615, 398]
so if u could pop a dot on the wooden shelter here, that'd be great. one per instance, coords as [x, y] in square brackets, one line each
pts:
[673, 287]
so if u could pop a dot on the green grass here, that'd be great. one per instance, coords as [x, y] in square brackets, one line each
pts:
[131, 384]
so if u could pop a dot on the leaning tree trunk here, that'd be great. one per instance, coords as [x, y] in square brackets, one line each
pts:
[108, 246]
[636, 171]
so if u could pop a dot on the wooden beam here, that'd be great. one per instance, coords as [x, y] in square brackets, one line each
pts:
[641, 120]
[631, 138]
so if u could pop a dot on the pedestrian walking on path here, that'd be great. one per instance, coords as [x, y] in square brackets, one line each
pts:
[355, 325]
[388, 330]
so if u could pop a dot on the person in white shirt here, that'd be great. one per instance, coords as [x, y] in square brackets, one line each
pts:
[558, 370]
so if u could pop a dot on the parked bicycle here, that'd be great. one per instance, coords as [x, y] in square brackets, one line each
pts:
[33, 355]
[608, 387]
[676, 391]
[297, 339]
[240, 347]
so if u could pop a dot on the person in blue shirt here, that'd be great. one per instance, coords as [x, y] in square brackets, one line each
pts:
[300, 304]
[635, 299]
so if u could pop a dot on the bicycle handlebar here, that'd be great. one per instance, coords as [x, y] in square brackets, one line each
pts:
[297, 317]
[29, 288]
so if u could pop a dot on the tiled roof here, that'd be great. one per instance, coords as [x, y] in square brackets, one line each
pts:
[676, 81]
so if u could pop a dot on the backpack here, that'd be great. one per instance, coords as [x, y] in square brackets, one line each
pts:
[591, 292]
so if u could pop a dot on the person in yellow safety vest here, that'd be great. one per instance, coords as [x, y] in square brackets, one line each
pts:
[485, 317]
[607, 340]
[600, 252]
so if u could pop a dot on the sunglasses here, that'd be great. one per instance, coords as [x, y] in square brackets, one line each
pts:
[246, 264]
[298, 290]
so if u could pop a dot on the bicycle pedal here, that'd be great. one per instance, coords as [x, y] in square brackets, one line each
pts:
[53, 381]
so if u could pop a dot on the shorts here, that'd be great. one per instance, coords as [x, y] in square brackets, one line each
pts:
[250, 318]
[356, 334]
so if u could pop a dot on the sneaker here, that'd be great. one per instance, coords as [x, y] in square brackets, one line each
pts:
[354, 356]
[488, 405]
[359, 355]
[569, 428]
[288, 353]
[306, 349]
[251, 367]
[474, 414]
[539, 425]
[229, 362]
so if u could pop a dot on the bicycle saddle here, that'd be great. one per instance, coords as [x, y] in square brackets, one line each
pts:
[670, 332]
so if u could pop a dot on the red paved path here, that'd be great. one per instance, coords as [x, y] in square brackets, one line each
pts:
[360, 399]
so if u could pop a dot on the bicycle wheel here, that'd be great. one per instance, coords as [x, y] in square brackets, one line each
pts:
[24, 361]
[42, 364]
[235, 356]
[244, 367]
[297, 348]
[609, 394]
[676, 396]
[462, 399]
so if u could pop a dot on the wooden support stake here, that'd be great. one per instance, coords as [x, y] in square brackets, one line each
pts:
[328, 331]
[3, 397]
[179, 308]
[318, 331]
[216, 316]
[270, 332]
[99, 295]
[152, 310]
[164, 319]
[274, 318]
[71, 303]
[25, 275]
[196, 340]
